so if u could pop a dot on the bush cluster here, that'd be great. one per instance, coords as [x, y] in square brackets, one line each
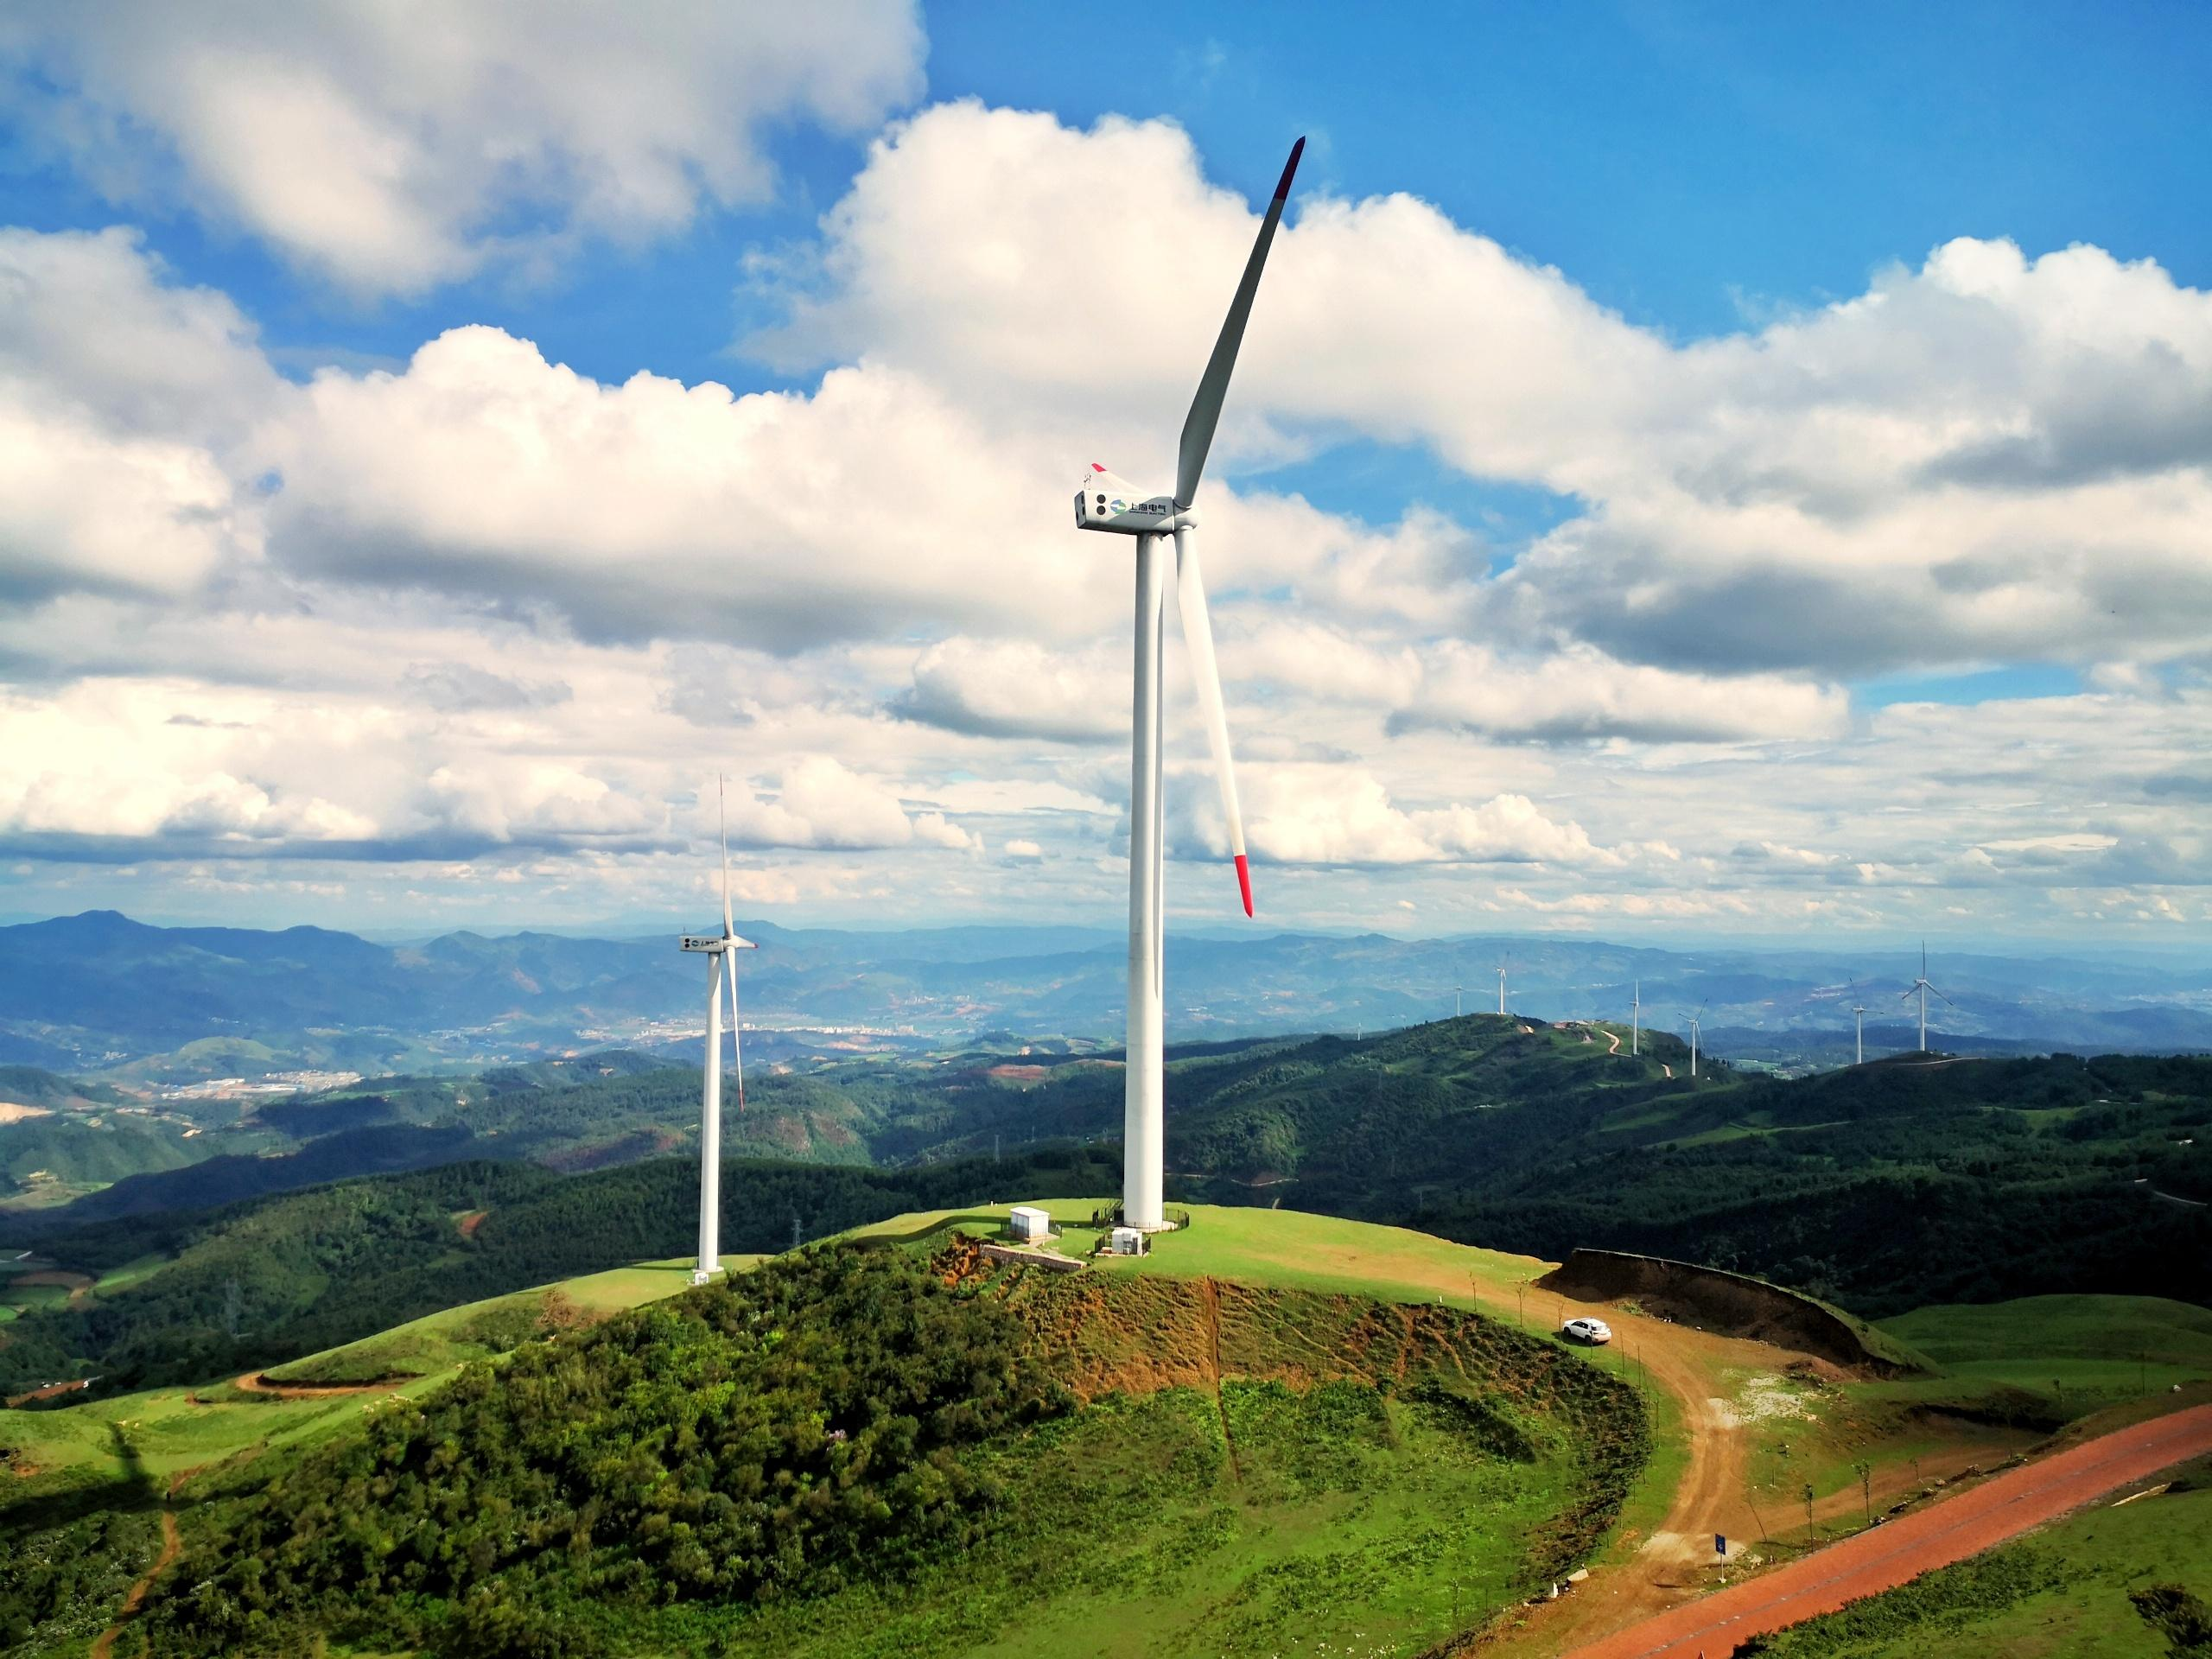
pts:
[770, 1437]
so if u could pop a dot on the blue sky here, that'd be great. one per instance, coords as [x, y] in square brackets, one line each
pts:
[1683, 259]
[1691, 165]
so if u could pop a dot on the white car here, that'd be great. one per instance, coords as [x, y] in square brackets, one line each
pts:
[1594, 1331]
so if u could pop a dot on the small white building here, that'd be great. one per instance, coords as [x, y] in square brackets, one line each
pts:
[1028, 1221]
[1128, 1241]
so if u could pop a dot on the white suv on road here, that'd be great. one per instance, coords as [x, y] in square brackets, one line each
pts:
[1594, 1331]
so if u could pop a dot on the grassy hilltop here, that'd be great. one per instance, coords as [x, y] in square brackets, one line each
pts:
[1884, 1188]
[1259, 1392]
[912, 1466]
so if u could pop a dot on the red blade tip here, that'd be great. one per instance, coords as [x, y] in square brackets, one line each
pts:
[1244, 882]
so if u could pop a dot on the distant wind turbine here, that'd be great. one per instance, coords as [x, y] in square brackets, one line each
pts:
[1635, 1020]
[1105, 502]
[1920, 989]
[1501, 988]
[1694, 1032]
[720, 962]
[1456, 989]
[1860, 1010]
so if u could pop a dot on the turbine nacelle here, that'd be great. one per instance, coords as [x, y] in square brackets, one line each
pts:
[1107, 501]
[712, 943]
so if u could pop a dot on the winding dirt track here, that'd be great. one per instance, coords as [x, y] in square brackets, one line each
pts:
[255, 1383]
[1888, 1555]
[172, 1546]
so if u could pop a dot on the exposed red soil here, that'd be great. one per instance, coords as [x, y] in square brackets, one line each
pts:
[1715, 1300]
[50, 1391]
[469, 1223]
[255, 1383]
[1884, 1557]
[1017, 1073]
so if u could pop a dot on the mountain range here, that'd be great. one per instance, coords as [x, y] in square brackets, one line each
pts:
[103, 994]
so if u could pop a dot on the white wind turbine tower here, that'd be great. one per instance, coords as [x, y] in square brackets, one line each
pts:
[1108, 503]
[1920, 987]
[1693, 1032]
[1501, 988]
[720, 963]
[1456, 990]
[1635, 1018]
[1860, 1010]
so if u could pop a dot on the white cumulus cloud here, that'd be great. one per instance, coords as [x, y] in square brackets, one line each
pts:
[389, 147]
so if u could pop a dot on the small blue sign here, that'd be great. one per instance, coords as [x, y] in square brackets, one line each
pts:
[1720, 1543]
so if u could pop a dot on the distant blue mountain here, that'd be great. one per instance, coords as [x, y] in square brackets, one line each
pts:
[86, 993]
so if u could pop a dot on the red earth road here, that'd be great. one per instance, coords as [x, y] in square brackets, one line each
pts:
[1888, 1555]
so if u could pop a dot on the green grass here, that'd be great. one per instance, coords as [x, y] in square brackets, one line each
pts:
[1343, 1515]
[1290, 1249]
[1379, 1520]
[27, 1297]
[2078, 1351]
[1282, 1247]
[130, 1271]
[1348, 1524]
[439, 1342]
[160, 1431]
[2062, 1591]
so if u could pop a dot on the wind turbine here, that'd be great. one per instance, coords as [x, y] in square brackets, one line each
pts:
[1635, 1018]
[1456, 990]
[720, 963]
[1106, 502]
[1501, 988]
[1693, 1029]
[1920, 987]
[1860, 1010]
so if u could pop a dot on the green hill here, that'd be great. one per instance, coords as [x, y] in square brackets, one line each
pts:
[2091, 1346]
[1880, 1188]
[1278, 1431]
[256, 1283]
[27, 1085]
[844, 1453]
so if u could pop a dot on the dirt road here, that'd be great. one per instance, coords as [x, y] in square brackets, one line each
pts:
[1710, 1497]
[254, 1382]
[1888, 1555]
[172, 1546]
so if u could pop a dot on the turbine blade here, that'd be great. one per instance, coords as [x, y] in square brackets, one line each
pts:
[1197, 635]
[1213, 384]
[736, 1031]
[721, 814]
[1909, 995]
[1945, 998]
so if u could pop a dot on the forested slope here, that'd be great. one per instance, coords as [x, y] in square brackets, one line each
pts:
[864, 1451]
[256, 1283]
